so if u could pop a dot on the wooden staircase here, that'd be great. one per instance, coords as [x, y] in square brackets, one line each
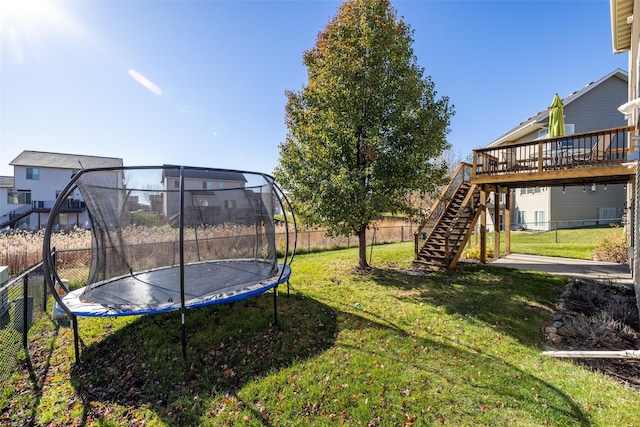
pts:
[450, 222]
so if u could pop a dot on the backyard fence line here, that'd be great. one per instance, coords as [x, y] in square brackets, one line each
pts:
[23, 300]
[317, 240]
[567, 224]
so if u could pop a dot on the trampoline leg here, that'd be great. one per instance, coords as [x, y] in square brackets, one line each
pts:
[74, 322]
[275, 304]
[288, 294]
[184, 339]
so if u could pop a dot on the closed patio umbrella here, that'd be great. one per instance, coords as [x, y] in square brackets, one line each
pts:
[556, 117]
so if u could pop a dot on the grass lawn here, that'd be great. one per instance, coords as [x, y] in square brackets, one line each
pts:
[379, 348]
[567, 243]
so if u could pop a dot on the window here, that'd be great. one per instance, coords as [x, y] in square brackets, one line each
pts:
[62, 219]
[538, 218]
[176, 183]
[69, 197]
[610, 213]
[19, 197]
[23, 224]
[569, 128]
[535, 190]
[33, 173]
[207, 185]
[203, 201]
[522, 218]
[229, 204]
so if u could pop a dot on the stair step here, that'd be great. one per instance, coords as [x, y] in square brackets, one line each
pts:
[450, 228]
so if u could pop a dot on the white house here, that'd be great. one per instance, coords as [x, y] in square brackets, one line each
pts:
[39, 177]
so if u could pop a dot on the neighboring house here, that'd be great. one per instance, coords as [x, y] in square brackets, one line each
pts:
[39, 177]
[214, 197]
[592, 108]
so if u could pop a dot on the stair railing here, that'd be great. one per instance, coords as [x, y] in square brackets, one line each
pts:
[15, 215]
[461, 175]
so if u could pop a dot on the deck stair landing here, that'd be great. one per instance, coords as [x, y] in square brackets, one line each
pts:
[448, 227]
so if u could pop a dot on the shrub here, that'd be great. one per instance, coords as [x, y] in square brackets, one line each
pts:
[471, 252]
[612, 248]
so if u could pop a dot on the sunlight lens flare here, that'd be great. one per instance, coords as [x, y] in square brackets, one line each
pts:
[145, 82]
[25, 25]
[31, 13]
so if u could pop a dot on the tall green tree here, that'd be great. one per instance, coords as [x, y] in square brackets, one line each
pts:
[364, 130]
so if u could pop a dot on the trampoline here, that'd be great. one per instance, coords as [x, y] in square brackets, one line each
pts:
[155, 291]
[170, 238]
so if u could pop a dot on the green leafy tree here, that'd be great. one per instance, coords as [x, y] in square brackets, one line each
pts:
[364, 130]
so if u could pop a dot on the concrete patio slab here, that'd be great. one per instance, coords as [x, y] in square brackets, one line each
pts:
[597, 270]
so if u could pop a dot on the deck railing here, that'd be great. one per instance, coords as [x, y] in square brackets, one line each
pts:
[591, 149]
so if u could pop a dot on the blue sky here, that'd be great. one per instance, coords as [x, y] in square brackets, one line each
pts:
[201, 83]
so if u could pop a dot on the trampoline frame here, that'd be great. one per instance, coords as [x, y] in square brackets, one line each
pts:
[52, 279]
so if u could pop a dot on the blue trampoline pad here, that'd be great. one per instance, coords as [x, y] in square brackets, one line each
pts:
[158, 290]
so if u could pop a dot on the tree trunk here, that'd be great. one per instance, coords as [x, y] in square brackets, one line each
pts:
[362, 246]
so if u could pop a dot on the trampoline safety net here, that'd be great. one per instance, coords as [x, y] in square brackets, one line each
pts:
[161, 233]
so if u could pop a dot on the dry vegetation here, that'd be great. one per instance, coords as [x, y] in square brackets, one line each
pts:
[19, 249]
[599, 316]
[612, 247]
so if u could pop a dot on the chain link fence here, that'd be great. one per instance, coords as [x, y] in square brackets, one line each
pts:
[23, 301]
[539, 226]
[318, 240]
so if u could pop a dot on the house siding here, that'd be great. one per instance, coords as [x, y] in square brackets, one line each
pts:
[44, 189]
[597, 109]
[529, 204]
[577, 208]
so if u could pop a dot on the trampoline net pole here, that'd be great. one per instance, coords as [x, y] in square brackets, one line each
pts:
[181, 237]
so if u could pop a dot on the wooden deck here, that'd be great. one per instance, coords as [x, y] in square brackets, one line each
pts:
[586, 158]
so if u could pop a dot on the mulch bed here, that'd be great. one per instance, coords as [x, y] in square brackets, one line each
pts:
[598, 316]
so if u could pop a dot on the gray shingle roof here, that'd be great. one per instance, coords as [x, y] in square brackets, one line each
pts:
[63, 161]
[6, 182]
[212, 174]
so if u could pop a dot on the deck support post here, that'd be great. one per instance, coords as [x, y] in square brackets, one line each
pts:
[497, 223]
[483, 224]
[507, 221]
